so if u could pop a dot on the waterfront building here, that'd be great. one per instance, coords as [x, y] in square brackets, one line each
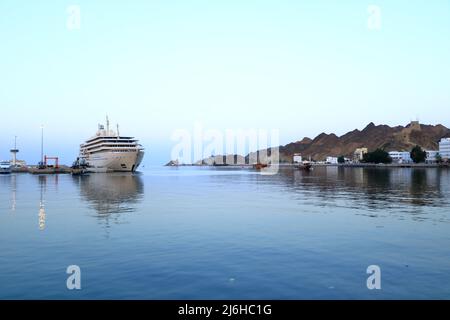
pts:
[297, 158]
[332, 160]
[444, 148]
[400, 156]
[431, 156]
[359, 153]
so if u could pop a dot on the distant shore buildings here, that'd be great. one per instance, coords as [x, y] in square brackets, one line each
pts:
[399, 157]
[432, 156]
[332, 160]
[297, 158]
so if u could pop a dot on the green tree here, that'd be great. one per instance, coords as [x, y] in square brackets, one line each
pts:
[341, 159]
[377, 156]
[418, 154]
[438, 158]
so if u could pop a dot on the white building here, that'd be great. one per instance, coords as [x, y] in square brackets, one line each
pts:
[400, 156]
[359, 153]
[431, 156]
[444, 148]
[332, 160]
[297, 158]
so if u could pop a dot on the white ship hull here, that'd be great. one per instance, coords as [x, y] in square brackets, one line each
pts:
[110, 161]
[108, 151]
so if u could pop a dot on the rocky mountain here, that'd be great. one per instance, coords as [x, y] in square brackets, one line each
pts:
[373, 136]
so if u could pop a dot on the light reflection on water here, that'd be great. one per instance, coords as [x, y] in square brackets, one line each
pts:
[184, 232]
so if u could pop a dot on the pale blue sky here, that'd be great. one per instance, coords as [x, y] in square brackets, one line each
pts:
[155, 66]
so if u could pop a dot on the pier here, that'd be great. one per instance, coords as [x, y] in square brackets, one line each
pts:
[49, 170]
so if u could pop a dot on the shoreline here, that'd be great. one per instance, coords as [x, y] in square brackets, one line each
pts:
[346, 165]
[67, 170]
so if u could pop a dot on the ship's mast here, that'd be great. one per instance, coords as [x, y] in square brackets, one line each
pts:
[118, 134]
[107, 125]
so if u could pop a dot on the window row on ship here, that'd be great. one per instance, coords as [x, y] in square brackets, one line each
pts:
[109, 150]
[110, 146]
[108, 141]
[96, 139]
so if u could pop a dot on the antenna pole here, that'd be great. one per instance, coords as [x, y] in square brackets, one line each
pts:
[15, 152]
[42, 144]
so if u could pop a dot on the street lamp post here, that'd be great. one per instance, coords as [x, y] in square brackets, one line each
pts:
[42, 145]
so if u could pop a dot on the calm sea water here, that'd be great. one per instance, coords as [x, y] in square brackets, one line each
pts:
[222, 233]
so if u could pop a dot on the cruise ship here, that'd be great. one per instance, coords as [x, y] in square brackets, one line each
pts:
[108, 151]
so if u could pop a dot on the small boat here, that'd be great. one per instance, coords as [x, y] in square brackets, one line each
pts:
[259, 166]
[305, 165]
[79, 167]
[5, 167]
[78, 172]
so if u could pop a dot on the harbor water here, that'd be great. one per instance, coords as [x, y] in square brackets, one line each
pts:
[227, 233]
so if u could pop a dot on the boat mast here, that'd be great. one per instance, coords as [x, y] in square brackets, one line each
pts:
[107, 125]
[118, 134]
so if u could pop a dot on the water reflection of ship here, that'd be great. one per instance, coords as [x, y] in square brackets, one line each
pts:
[111, 194]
